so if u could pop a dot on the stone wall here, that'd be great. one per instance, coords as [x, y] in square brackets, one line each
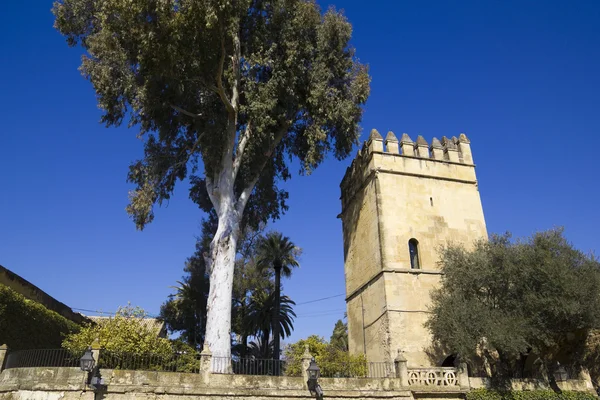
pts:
[69, 384]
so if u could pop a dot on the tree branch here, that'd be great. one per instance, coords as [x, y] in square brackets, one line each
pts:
[236, 60]
[220, 89]
[245, 195]
[239, 153]
[185, 112]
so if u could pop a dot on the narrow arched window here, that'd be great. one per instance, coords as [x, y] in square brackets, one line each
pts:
[413, 248]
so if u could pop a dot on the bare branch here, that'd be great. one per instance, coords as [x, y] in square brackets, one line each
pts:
[185, 112]
[240, 149]
[245, 195]
[236, 60]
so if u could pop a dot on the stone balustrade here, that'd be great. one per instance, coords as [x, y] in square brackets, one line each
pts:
[444, 376]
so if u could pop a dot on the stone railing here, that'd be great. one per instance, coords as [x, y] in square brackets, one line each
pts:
[445, 376]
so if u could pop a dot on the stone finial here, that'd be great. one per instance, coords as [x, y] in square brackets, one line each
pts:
[390, 137]
[4, 347]
[375, 142]
[406, 138]
[375, 135]
[407, 145]
[422, 147]
[391, 143]
[436, 144]
[205, 350]
[96, 344]
[437, 150]
[450, 149]
[306, 353]
[462, 138]
[400, 357]
[421, 141]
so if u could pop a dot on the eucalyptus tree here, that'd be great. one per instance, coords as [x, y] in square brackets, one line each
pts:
[224, 92]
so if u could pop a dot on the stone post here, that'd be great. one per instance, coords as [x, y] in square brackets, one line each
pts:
[463, 375]
[306, 358]
[401, 368]
[584, 375]
[205, 363]
[3, 352]
[96, 350]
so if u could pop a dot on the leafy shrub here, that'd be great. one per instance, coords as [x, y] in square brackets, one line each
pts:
[26, 324]
[485, 394]
[333, 361]
[125, 333]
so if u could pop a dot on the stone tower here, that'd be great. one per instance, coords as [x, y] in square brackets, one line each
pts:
[398, 206]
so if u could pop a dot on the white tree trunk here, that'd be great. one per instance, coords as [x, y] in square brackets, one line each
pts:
[218, 322]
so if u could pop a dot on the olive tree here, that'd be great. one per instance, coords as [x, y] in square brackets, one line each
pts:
[507, 300]
[224, 92]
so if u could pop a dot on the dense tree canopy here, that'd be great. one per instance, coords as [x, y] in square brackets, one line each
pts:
[506, 301]
[222, 91]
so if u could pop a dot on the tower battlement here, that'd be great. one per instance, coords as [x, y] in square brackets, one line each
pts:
[447, 159]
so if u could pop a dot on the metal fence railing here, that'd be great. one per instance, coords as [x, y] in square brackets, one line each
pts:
[248, 366]
[184, 362]
[41, 358]
[359, 370]
[190, 362]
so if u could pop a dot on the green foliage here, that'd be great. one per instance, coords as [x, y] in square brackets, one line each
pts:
[278, 252]
[506, 299]
[198, 76]
[339, 337]
[484, 394]
[126, 332]
[26, 324]
[226, 93]
[332, 361]
[253, 299]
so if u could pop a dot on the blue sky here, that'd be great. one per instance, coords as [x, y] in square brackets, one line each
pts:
[521, 78]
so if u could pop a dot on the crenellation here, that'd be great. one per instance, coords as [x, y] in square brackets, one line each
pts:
[391, 143]
[464, 146]
[375, 141]
[455, 151]
[422, 147]
[437, 150]
[450, 150]
[407, 145]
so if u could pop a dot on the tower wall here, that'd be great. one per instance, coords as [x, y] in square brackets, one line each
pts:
[427, 193]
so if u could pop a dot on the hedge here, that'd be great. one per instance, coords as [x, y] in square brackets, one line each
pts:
[485, 394]
[26, 324]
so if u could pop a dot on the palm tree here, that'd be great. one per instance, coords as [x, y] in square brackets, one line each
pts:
[278, 252]
[259, 321]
